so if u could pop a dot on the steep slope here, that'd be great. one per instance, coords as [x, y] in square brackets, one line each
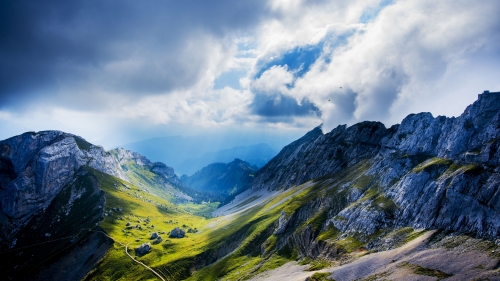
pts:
[222, 180]
[48, 203]
[256, 155]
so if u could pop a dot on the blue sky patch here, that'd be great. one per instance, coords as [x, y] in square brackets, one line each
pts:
[372, 12]
[298, 60]
[229, 79]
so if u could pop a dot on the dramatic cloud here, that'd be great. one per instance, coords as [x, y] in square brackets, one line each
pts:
[279, 64]
[132, 48]
[410, 57]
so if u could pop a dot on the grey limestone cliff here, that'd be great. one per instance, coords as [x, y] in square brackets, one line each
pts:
[427, 172]
[40, 164]
[35, 166]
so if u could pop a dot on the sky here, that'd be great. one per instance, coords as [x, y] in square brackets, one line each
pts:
[115, 72]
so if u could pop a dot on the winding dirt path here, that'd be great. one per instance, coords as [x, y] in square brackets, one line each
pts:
[130, 256]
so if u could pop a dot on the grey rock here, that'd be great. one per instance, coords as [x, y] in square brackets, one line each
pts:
[34, 167]
[283, 222]
[143, 249]
[158, 240]
[177, 233]
[154, 235]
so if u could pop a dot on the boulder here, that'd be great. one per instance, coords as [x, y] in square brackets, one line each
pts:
[158, 240]
[154, 235]
[143, 249]
[177, 233]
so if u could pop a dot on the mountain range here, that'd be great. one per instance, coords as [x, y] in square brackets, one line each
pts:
[189, 154]
[256, 155]
[223, 181]
[417, 201]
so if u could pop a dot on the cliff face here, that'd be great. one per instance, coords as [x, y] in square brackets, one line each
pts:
[35, 166]
[317, 154]
[427, 172]
[40, 164]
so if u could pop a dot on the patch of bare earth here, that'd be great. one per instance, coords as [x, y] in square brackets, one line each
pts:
[425, 258]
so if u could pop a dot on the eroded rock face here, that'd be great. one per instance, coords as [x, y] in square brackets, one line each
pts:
[317, 154]
[43, 163]
[427, 172]
[35, 166]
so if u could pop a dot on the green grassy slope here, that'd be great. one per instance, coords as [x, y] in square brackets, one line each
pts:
[232, 247]
[243, 244]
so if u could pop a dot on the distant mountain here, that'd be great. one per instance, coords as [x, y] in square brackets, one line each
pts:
[189, 154]
[257, 155]
[226, 180]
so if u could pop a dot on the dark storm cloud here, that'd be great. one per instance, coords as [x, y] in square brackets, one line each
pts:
[46, 45]
[281, 106]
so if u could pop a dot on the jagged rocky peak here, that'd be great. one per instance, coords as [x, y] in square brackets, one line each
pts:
[124, 156]
[35, 166]
[427, 172]
[43, 163]
[454, 138]
[473, 136]
[317, 154]
[484, 109]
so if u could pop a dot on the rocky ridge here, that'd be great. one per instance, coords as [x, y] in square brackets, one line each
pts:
[35, 166]
[427, 172]
[48, 191]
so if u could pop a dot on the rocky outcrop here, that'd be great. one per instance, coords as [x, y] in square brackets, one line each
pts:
[317, 154]
[61, 235]
[158, 240]
[143, 249]
[40, 164]
[177, 233]
[35, 166]
[123, 156]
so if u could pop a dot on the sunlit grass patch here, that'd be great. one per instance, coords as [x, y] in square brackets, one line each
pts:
[131, 216]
